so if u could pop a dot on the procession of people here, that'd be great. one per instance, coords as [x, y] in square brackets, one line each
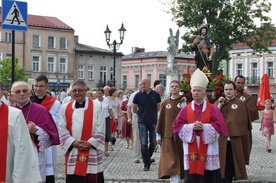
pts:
[199, 141]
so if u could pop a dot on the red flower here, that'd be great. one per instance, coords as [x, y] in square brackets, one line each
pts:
[221, 76]
[188, 75]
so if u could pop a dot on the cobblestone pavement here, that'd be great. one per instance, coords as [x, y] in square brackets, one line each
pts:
[119, 166]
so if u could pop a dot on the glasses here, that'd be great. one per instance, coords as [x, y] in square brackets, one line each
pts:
[19, 91]
[78, 90]
[39, 86]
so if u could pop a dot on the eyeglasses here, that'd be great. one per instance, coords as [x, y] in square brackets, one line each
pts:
[19, 91]
[39, 86]
[78, 90]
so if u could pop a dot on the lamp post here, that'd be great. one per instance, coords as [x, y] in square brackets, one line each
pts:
[58, 82]
[114, 46]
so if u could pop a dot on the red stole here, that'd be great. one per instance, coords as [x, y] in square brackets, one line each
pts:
[4, 113]
[47, 102]
[197, 155]
[82, 157]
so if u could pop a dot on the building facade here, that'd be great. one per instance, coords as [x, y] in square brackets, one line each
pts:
[95, 66]
[244, 61]
[153, 65]
[47, 48]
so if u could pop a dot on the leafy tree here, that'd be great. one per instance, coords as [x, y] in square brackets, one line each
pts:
[6, 72]
[229, 22]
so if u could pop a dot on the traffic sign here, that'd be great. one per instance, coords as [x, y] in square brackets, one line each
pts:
[14, 15]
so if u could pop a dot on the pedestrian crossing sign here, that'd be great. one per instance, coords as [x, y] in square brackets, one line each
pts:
[14, 15]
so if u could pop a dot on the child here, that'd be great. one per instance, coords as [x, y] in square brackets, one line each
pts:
[267, 126]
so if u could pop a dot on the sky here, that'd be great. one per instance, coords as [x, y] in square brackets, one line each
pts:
[146, 21]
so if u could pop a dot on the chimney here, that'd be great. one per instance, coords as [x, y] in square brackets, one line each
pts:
[76, 39]
[136, 49]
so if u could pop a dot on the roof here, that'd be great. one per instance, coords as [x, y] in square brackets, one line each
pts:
[155, 54]
[245, 46]
[92, 49]
[46, 22]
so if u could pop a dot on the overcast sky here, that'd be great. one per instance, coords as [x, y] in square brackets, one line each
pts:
[146, 21]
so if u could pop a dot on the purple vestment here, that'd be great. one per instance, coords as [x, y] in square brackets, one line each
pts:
[216, 119]
[41, 117]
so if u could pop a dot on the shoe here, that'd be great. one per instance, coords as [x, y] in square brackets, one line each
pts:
[127, 146]
[137, 161]
[130, 147]
[106, 154]
[146, 167]
[111, 149]
[152, 160]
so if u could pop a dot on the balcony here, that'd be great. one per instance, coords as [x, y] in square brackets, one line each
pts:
[252, 81]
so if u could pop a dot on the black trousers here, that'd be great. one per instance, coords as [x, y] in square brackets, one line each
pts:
[90, 178]
[208, 177]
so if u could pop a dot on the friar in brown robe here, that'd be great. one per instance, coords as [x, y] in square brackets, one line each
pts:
[171, 159]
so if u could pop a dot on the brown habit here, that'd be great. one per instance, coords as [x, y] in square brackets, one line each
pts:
[235, 114]
[253, 115]
[171, 158]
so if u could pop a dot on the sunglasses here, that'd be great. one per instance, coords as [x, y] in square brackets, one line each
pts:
[19, 91]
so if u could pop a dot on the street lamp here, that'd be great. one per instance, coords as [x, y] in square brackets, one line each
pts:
[114, 46]
[58, 82]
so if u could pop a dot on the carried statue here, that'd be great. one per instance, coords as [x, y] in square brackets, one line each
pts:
[203, 47]
[173, 42]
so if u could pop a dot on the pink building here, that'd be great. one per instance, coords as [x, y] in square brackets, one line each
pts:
[153, 65]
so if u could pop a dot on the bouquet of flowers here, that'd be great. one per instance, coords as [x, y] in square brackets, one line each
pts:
[215, 84]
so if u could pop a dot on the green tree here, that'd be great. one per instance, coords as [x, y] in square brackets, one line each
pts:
[6, 72]
[229, 22]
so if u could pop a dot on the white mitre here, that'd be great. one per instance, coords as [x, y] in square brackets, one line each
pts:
[199, 79]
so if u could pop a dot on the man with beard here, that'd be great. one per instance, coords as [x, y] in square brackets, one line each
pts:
[203, 46]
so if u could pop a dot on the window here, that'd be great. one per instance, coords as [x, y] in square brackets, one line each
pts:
[8, 55]
[8, 36]
[111, 73]
[124, 82]
[270, 69]
[51, 64]
[36, 66]
[51, 42]
[80, 71]
[149, 76]
[162, 78]
[137, 79]
[239, 69]
[1, 56]
[90, 72]
[63, 43]
[254, 74]
[62, 65]
[103, 75]
[36, 41]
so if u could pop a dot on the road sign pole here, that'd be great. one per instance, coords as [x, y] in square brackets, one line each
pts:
[13, 56]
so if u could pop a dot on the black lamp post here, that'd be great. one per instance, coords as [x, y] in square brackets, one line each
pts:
[114, 46]
[58, 82]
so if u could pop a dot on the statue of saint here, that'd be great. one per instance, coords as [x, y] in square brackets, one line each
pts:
[203, 46]
[173, 42]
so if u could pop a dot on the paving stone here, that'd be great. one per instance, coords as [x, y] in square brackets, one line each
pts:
[119, 166]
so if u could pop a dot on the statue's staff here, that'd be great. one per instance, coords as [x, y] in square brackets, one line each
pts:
[202, 55]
